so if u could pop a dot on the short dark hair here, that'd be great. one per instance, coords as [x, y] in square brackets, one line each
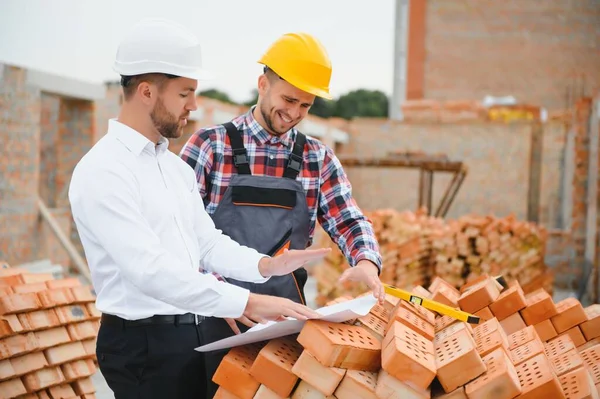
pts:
[130, 83]
[271, 74]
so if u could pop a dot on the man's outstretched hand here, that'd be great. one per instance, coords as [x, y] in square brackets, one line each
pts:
[366, 272]
[289, 261]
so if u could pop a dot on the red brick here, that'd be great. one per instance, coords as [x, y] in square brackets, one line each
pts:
[72, 314]
[28, 363]
[420, 311]
[65, 353]
[390, 387]
[83, 386]
[539, 307]
[17, 303]
[61, 391]
[17, 345]
[233, 374]
[578, 384]
[450, 331]
[570, 314]
[357, 384]
[324, 379]
[5, 329]
[512, 323]
[14, 323]
[443, 322]
[90, 346]
[510, 301]
[545, 330]
[484, 314]
[558, 346]
[458, 393]
[78, 369]
[440, 282]
[93, 312]
[88, 396]
[486, 328]
[591, 327]
[263, 392]
[526, 351]
[39, 320]
[414, 322]
[26, 288]
[6, 369]
[591, 357]
[42, 379]
[479, 296]
[340, 345]
[6, 290]
[305, 391]
[523, 336]
[537, 379]
[83, 294]
[588, 345]
[12, 388]
[56, 297]
[63, 283]
[273, 365]
[381, 312]
[82, 331]
[499, 381]
[52, 337]
[566, 362]
[494, 340]
[446, 296]
[457, 361]
[373, 324]
[576, 336]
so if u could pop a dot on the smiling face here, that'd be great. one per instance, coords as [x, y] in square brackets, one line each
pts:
[281, 106]
[172, 107]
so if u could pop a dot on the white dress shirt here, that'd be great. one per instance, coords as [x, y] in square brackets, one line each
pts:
[146, 233]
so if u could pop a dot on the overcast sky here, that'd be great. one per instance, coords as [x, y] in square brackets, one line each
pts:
[79, 38]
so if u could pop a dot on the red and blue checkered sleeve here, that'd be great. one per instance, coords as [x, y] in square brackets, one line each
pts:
[198, 154]
[341, 217]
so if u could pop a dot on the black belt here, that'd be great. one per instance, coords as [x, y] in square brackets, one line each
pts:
[187, 318]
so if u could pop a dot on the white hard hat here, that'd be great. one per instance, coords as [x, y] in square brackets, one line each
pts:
[160, 46]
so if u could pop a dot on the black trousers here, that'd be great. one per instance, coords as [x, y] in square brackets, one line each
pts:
[152, 361]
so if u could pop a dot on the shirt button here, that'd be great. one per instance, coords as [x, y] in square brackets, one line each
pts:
[271, 157]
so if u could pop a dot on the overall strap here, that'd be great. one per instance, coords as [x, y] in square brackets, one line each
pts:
[294, 164]
[240, 156]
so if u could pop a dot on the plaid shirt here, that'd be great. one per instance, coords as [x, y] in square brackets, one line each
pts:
[328, 190]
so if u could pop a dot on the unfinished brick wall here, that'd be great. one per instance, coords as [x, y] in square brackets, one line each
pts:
[19, 164]
[537, 51]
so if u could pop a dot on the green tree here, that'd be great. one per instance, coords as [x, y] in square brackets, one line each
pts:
[253, 99]
[362, 102]
[322, 107]
[217, 95]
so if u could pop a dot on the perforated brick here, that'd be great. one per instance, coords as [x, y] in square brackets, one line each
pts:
[509, 302]
[578, 384]
[545, 330]
[420, 311]
[485, 328]
[373, 324]
[449, 331]
[591, 357]
[526, 351]
[495, 340]
[522, 337]
[591, 327]
[570, 314]
[499, 381]
[390, 387]
[588, 345]
[479, 296]
[273, 365]
[558, 346]
[357, 384]
[443, 322]
[414, 322]
[566, 362]
[576, 336]
[381, 312]
[324, 379]
[537, 379]
[410, 337]
[539, 307]
[233, 374]
[457, 361]
[341, 345]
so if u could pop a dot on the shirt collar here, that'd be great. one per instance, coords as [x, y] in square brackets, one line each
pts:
[262, 136]
[134, 140]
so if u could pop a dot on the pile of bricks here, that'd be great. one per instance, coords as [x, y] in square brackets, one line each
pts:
[48, 330]
[526, 346]
[416, 247]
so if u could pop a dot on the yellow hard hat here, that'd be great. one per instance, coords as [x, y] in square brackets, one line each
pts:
[301, 60]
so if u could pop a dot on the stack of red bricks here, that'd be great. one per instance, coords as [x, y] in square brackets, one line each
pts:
[48, 329]
[416, 247]
[525, 347]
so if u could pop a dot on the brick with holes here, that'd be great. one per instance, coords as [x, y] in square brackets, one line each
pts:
[591, 358]
[591, 327]
[578, 384]
[390, 387]
[485, 328]
[412, 321]
[570, 313]
[324, 379]
[408, 356]
[273, 365]
[305, 391]
[380, 312]
[545, 330]
[539, 307]
[588, 345]
[341, 345]
[500, 380]
[492, 341]
[576, 336]
[357, 384]
[451, 330]
[373, 324]
[12, 388]
[19, 303]
[558, 346]
[509, 302]
[566, 362]
[420, 311]
[28, 363]
[538, 380]
[522, 336]
[443, 322]
[43, 378]
[457, 361]
[513, 323]
[479, 296]
[233, 374]
[526, 351]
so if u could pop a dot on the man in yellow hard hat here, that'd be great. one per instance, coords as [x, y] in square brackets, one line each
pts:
[266, 184]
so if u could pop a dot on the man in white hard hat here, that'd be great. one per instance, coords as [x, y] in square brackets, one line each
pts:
[146, 234]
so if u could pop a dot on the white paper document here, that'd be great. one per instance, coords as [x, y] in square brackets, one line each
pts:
[338, 313]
